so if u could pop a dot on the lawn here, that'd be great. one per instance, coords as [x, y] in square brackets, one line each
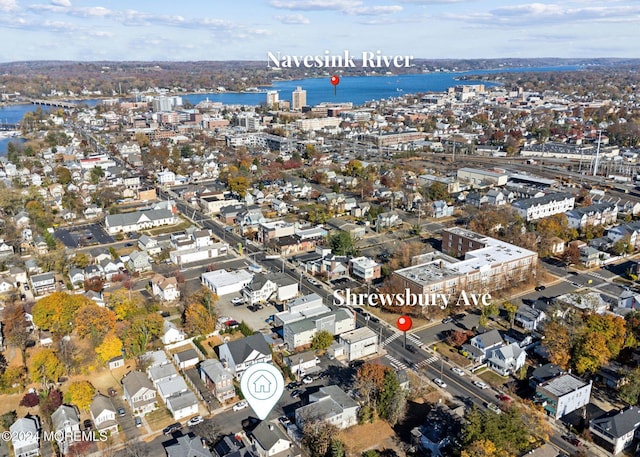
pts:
[168, 228]
[450, 353]
[159, 418]
[492, 378]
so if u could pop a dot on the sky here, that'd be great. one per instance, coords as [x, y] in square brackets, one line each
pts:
[191, 30]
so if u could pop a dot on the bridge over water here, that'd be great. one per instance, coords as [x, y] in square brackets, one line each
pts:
[55, 103]
[7, 127]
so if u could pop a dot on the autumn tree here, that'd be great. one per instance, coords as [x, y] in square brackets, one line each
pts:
[591, 353]
[16, 328]
[369, 381]
[110, 347]
[321, 341]
[198, 321]
[139, 332]
[511, 309]
[457, 338]
[44, 366]
[56, 312]
[557, 342]
[94, 322]
[30, 400]
[630, 391]
[239, 185]
[317, 437]
[81, 394]
[123, 304]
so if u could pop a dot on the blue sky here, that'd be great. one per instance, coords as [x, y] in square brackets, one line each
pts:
[247, 30]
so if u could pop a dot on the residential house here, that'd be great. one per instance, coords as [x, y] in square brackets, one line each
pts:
[103, 414]
[365, 268]
[480, 346]
[139, 392]
[139, 261]
[616, 430]
[439, 209]
[43, 283]
[388, 219]
[172, 334]
[66, 422]
[186, 359]
[263, 286]
[563, 394]
[439, 429]
[166, 289]
[238, 355]
[329, 404]
[25, 436]
[216, 378]
[544, 373]
[507, 359]
[188, 445]
[161, 373]
[529, 317]
[177, 397]
[269, 441]
[590, 257]
[495, 197]
[629, 299]
[76, 276]
[300, 333]
[359, 343]
[149, 244]
[547, 205]
[593, 215]
[302, 363]
[6, 250]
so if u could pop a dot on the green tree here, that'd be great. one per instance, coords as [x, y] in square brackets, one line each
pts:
[511, 309]
[342, 243]
[97, 173]
[392, 401]
[321, 341]
[63, 175]
[337, 448]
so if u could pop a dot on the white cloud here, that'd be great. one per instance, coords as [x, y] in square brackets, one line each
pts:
[8, 5]
[375, 10]
[293, 19]
[311, 5]
[65, 3]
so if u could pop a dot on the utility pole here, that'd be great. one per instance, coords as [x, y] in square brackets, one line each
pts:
[595, 166]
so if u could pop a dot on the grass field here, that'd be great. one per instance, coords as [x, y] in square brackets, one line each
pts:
[447, 351]
[359, 438]
[492, 378]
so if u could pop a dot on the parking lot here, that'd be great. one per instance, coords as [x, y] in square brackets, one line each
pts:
[241, 312]
[81, 236]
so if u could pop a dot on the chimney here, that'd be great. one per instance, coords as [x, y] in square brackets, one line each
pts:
[271, 427]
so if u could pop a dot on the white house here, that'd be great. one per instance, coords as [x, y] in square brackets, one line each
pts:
[25, 436]
[616, 430]
[529, 317]
[236, 356]
[178, 398]
[172, 334]
[359, 343]
[66, 422]
[562, 395]
[186, 359]
[270, 441]
[103, 414]
[330, 404]
[166, 289]
[507, 359]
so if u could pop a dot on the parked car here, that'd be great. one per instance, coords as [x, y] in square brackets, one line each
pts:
[195, 420]
[240, 405]
[307, 380]
[138, 421]
[315, 282]
[457, 371]
[292, 385]
[411, 348]
[439, 382]
[503, 397]
[87, 424]
[493, 407]
[447, 320]
[121, 412]
[237, 301]
[296, 393]
[539, 288]
[573, 440]
[172, 428]
[480, 384]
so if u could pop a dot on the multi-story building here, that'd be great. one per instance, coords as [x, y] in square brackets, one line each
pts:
[268, 231]
[592, 215]
[616, 430]
[488, 265]
[562, 395]
[537, 208]
[272, 98]
[298, 99]
[365, 268]
[359, 343]
[318, 123]
[301, 333]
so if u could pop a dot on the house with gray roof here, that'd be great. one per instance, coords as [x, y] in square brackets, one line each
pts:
[65, 421]
[139, 261]
[216, 378]
[139, 220]
[269, 441]
[103, 414]
[616, 430]
[481, 345]
[25, 436]
[563, 394]
[330, 404]
[528, 317]
[236, 356]
[139, 392]
[507, 359]
[187, 446]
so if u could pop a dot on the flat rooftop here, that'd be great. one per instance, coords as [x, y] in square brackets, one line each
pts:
[563, 385]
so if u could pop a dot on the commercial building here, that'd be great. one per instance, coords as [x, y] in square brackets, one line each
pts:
[300, 333]
[488, 265]
[359, 343]
[482, 178]
[223, 282]
[563, 395]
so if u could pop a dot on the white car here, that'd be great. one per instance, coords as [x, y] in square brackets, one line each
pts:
[195, 421]
[440, 383]
[457, 371]
[240, 405]
[480, 384]
[307, 380]
[237, 301]
[313, 281]
[493, 407]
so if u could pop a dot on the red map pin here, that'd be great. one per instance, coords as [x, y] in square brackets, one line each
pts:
[335, 80]
[404, 323]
